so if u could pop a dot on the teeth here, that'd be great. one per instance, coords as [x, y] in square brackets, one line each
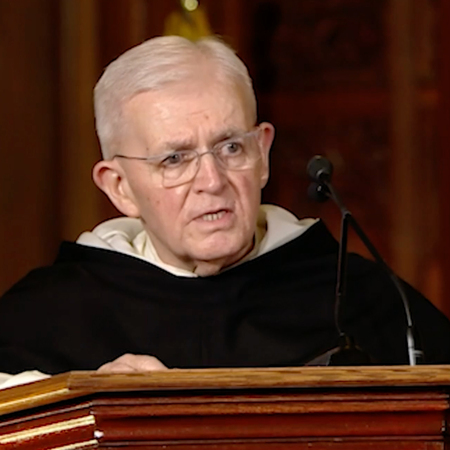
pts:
[215, 216]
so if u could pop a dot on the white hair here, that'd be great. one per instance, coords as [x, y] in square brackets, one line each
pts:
[151, 66]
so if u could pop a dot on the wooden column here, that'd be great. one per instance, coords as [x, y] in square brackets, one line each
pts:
[443, 63]
[28, 116]
[79, 199]
[404, 154]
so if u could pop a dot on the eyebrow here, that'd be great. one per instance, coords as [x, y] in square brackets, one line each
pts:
[188, 144]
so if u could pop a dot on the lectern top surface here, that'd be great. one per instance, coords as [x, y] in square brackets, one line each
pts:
[77, 384]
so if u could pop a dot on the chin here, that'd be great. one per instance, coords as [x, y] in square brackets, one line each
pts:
[221, 249]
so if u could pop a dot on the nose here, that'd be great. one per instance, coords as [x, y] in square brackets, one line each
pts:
[210, 176]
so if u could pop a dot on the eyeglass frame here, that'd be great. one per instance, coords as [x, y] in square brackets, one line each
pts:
[162, 156]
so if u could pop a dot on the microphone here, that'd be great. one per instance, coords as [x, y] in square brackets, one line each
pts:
[318, 192]
[320, 170]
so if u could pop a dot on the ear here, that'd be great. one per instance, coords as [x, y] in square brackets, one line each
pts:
[110, 177]
[266, 137]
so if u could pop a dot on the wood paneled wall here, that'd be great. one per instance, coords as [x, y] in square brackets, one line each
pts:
[362, 81]
[29, 217]
[441, 174]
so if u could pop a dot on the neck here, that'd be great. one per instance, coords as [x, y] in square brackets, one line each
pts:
[213, 267]
[202, 268]
[208, 268]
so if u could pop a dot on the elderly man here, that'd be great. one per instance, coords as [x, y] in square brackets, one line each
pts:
[197, 274]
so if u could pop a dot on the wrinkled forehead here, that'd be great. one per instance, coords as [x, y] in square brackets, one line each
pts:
[197, 104]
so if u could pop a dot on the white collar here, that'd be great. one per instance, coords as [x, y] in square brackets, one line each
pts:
[275, 227]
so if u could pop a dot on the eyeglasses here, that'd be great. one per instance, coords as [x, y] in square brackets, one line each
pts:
[179, 167]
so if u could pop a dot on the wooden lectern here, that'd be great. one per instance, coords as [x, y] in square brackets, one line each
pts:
[395, 407]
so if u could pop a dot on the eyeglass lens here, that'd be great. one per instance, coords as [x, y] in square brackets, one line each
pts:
[239, 153]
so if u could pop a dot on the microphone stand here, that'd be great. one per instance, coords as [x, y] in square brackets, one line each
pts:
[348, 219]
[348, 352]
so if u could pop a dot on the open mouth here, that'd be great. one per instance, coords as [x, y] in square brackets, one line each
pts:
[213, 216]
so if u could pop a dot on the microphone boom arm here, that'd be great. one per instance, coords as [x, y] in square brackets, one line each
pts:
[348, 219]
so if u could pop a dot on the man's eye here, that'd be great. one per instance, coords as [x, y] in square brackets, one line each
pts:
[232, 148]
[174, 159]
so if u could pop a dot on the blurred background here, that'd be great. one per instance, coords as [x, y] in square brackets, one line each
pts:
[364, 82]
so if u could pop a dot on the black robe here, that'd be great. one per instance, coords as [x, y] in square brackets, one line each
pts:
[93, 305]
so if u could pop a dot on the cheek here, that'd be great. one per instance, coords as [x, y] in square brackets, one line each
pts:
[249, 194]
[165, 207]
[262, 174]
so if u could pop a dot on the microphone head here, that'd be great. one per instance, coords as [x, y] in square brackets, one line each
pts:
[318, 192]
[319, 169]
